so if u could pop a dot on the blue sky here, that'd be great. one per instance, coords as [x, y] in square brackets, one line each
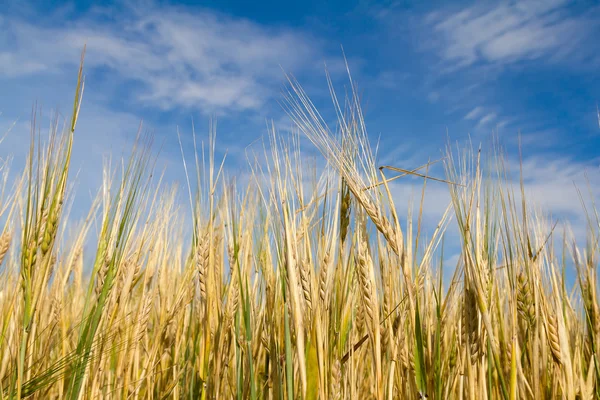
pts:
[426, 70]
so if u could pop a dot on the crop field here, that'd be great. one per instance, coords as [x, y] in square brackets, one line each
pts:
[290, 286]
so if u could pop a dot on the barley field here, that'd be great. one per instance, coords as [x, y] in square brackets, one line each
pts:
[285, 290]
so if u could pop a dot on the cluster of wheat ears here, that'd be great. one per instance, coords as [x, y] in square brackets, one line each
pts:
[287, 290]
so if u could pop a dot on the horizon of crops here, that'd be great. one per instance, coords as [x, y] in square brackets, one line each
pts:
[289, 290]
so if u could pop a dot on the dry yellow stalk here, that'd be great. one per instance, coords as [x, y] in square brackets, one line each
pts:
[294, 297]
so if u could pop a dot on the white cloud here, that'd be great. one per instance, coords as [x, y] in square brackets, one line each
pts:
[199, 60]
[509, 32]
[484, 117]
[489, 117]
[474, 113]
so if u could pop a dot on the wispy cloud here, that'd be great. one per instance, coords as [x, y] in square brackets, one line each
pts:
[201, 60]
[474, 113]
[509, 32]
[486, 119]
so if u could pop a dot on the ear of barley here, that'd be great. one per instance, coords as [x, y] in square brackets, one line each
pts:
[470, 325]
[305, 282]
[323, 278]
[345, 209]
[366, 278]
[202, 255]
[553, 339]
[5, 240]
[525, 302]
[292, 287]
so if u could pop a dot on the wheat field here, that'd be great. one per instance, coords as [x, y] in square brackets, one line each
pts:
[286, 290]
